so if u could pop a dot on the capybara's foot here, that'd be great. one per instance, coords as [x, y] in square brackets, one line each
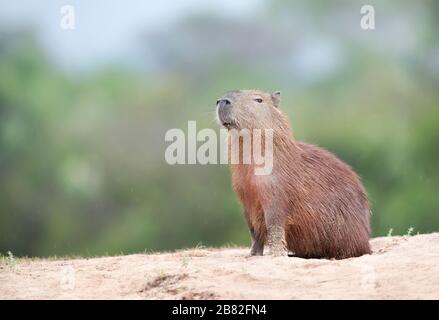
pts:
[278, 251]
[255, 253]
[257, 248]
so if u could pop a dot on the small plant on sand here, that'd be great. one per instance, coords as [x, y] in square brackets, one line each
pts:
[410, 231]
[200, 246]
[9, 260]
[185, 260]
[389, 234]
[161, 272]
[156, 273]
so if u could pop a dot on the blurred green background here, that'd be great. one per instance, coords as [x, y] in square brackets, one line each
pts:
[83, 114]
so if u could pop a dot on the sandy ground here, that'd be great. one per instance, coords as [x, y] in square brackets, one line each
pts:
[399, 268]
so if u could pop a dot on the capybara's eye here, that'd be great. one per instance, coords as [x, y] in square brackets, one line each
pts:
[259, 100]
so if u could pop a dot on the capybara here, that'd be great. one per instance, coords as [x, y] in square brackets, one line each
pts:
[312, 204]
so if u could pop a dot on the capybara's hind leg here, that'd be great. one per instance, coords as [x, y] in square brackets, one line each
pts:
[257, 248]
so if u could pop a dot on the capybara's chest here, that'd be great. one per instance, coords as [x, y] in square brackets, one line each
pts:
[250, 191]
[249, 194]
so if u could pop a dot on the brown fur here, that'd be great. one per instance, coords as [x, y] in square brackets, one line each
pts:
[315, 201]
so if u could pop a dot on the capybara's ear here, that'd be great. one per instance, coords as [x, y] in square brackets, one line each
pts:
[275, 96]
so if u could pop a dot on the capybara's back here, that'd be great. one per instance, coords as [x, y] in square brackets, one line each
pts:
[328, 211]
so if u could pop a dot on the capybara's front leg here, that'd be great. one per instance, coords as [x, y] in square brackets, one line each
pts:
[276, 240]
[275, 234]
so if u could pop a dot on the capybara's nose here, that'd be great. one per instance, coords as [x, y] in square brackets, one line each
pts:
[223, 104]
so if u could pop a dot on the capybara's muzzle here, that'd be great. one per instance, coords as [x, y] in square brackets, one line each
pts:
[224, 109]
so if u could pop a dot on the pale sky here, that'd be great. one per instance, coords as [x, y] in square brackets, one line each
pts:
[106, 30]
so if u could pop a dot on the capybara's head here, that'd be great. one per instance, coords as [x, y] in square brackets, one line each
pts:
[250, 109]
